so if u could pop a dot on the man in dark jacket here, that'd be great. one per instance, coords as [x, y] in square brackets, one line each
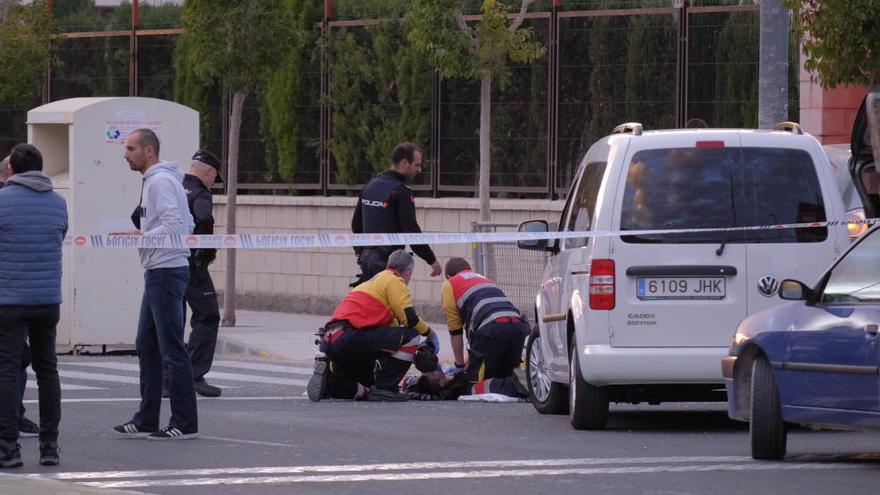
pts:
[33, 223]
[26, 427]
[205, 320]
[386, 205]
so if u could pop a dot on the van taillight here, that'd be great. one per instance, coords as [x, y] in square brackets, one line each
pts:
[710, 144]
[602, 284]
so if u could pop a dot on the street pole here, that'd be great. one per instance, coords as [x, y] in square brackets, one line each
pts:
[773, 64]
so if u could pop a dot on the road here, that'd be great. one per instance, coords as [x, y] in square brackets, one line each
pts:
[264, 437]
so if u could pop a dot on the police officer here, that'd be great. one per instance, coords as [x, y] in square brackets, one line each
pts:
[386, 205]
[205, 320]
[495, 327]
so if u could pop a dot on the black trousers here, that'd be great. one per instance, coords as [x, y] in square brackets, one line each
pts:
[495, 350]
[373, 261]
[38, 323]
[205, 321]
[376, 357]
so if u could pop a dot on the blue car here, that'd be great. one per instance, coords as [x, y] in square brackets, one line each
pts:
[814, 361]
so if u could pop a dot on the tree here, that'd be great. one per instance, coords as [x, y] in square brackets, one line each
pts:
[841, 40]
[289, 86]
[438, 29]
[24, 49]
[236, 44]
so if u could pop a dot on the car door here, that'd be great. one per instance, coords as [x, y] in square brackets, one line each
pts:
[861, 166]
[833, 356]
[553, 308]
[786, 180]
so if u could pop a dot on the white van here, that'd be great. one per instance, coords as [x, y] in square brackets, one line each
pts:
[647, 318]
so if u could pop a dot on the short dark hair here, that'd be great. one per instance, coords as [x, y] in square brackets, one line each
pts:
[25, 158]
[404, 151]
[456, 265]
[146, 137]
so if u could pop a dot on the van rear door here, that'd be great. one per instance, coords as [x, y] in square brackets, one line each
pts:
[783, 184]
[685, 289]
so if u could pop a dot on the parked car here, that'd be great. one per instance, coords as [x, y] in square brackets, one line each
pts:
[647, 317]
[814, 361]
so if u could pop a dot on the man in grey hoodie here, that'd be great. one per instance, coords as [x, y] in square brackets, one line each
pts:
[163, 210]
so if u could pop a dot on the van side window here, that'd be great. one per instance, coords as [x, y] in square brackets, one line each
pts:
[584, 203]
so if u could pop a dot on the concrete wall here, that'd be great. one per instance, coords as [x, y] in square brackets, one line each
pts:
[313, 280]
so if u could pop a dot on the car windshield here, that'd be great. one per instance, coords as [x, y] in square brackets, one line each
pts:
[856, 278]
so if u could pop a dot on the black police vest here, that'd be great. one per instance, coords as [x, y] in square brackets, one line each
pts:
[377, 213]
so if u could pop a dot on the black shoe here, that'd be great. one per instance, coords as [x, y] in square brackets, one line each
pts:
[11, 458]
[205, 390]
[521, 390]
[48, 453]
[27, 428]
[169, 433]
[317, 387]
[131, 430]
[382, 395]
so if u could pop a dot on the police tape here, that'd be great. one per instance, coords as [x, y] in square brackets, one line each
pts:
[324, 240]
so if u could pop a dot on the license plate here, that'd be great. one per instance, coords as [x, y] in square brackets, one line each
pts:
[693, 288]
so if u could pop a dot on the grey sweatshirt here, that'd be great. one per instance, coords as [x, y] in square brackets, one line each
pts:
[164, 212]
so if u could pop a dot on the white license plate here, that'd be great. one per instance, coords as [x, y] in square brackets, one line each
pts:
[693, 288]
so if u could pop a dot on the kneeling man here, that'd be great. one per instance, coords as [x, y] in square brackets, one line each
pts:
[371, 339]
[496, 330]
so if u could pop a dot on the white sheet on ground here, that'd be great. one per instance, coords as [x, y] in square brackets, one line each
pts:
[490, 397]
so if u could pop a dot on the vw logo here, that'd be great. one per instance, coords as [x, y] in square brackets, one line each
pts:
[768, 285]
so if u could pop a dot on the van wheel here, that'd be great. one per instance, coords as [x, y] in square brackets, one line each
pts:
[766, 427]
[547, 396]
[587, 404]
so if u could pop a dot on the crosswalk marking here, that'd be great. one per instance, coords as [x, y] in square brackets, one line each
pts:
[244, 365]
[219, 375]
[222, 375]
[32, 384]
[98, 377]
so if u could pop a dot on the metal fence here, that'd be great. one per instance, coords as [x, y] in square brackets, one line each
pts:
[517, 272]
[607, 62]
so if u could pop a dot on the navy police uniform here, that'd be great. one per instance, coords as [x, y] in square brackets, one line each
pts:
[200, 292]
[386, 205]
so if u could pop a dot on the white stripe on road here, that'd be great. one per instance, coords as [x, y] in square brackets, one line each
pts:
[137, 399]
[696, 468]
[98, 377]
[399, 466]
[250, 442]
[32, 384]
[235, 377]
[244, 365]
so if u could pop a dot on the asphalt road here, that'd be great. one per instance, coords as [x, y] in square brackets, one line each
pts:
[264, 437]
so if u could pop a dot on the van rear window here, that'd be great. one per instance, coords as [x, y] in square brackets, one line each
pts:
[691, 188]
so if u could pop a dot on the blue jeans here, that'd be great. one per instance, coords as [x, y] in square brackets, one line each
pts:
[160, 346]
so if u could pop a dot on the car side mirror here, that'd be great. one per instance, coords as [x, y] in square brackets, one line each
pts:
[537, 244]
[794, 290]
